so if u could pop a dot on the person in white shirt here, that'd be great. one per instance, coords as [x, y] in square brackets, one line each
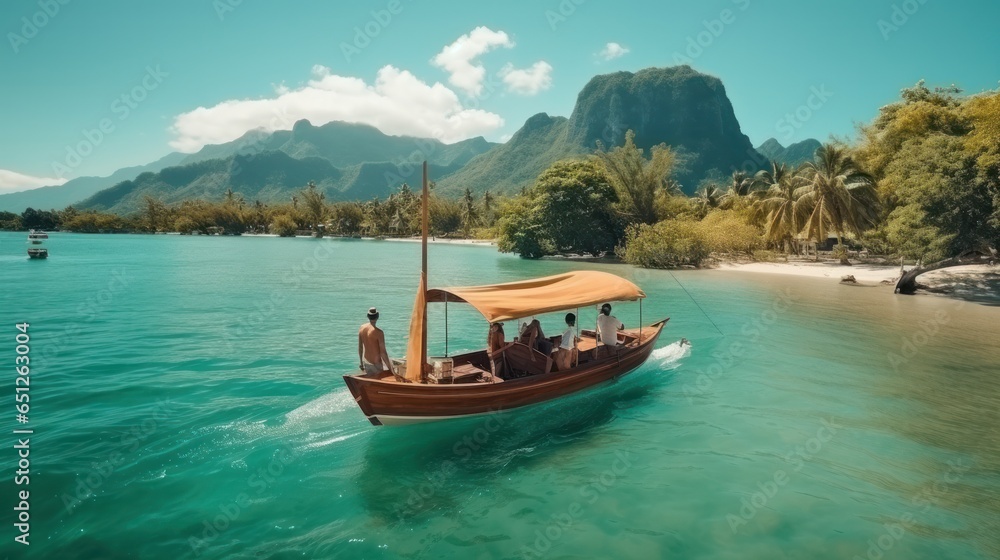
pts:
[607, 327]
[565, 354]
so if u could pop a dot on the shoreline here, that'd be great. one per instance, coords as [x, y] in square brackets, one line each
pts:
[439, 241]
[865, 274]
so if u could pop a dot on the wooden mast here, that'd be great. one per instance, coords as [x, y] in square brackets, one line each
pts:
[424, 219]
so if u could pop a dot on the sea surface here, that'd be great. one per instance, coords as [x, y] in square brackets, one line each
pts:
[187, 402]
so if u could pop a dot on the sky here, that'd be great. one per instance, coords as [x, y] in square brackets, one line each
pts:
[91, 87]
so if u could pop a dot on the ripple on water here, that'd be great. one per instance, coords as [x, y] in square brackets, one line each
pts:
[259, 422]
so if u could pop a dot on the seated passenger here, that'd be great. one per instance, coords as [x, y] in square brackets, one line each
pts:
[607, 327]
[565, 355]
[533, 337]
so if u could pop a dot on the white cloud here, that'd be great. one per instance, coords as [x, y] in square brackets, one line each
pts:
[12, 181]
[459, 58]
[528, 81]
[397, 103]
[612, 51]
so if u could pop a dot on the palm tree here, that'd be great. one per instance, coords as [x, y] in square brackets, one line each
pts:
[468, 211]
[154, 210]
[315, 207]
[776, 205]
[709, 196]
[637, 180]
[488, 208]
[742, 186]
[836, 195]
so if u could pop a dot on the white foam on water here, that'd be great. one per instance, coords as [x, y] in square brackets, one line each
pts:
[327, 442]
[670, 355]
[327, 405]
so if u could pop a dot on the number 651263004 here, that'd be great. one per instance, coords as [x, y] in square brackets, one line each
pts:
[22, 365]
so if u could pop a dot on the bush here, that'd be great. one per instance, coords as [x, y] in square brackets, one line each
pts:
[483, 233]
[185, 225]
[283, 225]
[766, 255]
[667, 244]
[728, 233]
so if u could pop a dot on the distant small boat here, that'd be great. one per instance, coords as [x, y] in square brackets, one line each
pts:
[37, 236]
[38, 253]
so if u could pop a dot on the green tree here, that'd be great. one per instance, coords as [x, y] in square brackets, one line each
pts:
[39, 219]
[741, 190]
[488, 208]
[348, 218]
[937, 160]
[637, 180]
[776, 206]
[10, 221]
[445, 216]
[709, 197]
[315, 207]
[836, 195]
[470, 214]
[521, 229]
[154, 212]
[570, 209]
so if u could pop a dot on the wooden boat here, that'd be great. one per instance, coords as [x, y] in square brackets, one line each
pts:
[38, 253]
[414, 394]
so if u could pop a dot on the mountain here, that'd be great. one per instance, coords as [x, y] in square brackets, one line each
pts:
[345, 144]
[687, 110]
[349, 161]
[269, 176]
[507, 167]
[794, 155]
[75, 190]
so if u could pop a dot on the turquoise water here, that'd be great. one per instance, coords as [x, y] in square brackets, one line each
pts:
[187, 399]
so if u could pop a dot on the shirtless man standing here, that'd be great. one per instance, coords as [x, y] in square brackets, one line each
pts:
[372, 355]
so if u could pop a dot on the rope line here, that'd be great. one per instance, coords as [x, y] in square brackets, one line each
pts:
[696, 303]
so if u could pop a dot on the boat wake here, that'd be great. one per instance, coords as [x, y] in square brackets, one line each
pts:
[327, 405]
[670, 355]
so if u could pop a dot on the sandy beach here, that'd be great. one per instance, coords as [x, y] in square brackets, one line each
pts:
[863, 273]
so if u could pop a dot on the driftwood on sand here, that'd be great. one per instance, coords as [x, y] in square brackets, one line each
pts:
[908, 284]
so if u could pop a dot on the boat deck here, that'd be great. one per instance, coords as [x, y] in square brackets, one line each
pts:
[473, 368]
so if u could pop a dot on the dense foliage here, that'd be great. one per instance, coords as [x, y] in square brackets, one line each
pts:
[936, 157]
[637, 180]
[346, 161]
[688, 241]
[309, 212]
[570, 209]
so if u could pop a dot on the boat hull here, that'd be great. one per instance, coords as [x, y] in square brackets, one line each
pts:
[393, 403]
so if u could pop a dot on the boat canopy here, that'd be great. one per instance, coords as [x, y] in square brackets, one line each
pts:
[514, 300]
